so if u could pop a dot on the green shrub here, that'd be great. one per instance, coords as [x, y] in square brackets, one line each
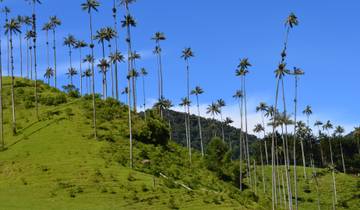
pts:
[153, 131]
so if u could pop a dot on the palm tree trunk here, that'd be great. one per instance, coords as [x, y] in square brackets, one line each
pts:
[116, 50]
[241, 141]
[286, 157]
[161, 75]
[246, 130]
[144, 96]
[8, 46]
[262, 169]
[12, 86]
[93, 76]
[342, 156]
[333, 175]
[112, 74]
[129, 87]
[21, 55]
[27, 59]
[255, 177]
[2, 141]
[188, 106]
[200, 130]
[266, 148]
[47, 49]
[273, 139]
[294, 146]
[54, 48]
[222, 126]
[35, 62]
[81, 74]
[31, 63]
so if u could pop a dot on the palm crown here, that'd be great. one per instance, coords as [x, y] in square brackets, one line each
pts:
[90, 5]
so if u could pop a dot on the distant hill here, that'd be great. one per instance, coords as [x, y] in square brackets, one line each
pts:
[209, 129]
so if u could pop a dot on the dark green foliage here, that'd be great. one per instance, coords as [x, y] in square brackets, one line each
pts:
[153, 131]
[72, 91]
[53, 99]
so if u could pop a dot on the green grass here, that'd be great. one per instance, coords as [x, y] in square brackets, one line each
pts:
[56, 164]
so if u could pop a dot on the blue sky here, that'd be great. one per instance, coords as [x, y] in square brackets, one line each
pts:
[325, 44]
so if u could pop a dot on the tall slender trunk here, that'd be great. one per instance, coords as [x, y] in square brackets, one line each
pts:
[262, 169]
[104, 91]
[81, 74]
[55, 67]
[21, 55]
[255, 177]
[241, 141]
[188, 106]
[112, 74]
[129, 87]
[273, 139]
[286, 157]
[12, 85]
[31, 63]
[144, 95]
[116, 51]
[342, 156]
[2, 141]
[200, 130]
[246, 130]
[27, 59]
[35, 63]
[222, 126]
[266, 148]
[47, 49]
[93, 76]
[294, 146]
[161, 74]
[8, 46]
[333, 175]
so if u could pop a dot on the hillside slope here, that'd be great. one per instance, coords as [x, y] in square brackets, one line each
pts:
[55, 163]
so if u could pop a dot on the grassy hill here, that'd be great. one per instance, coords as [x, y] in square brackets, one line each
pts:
[55, 163]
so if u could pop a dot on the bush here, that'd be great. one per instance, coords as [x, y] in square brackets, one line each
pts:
[153, 131]
[53, 100]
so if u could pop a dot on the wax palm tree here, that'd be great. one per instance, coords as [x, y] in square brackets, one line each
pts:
[70, 42]
[221, 103]
[319, 124]
[133, 57]
[89, 6]
[262, 108]
[47, 27]
[116, 58]
[21, 20]
[198, 91]
[55, 22]
[239, 96]
[110, 34]
[48, 74]
[327, 127]
[260, 129]
[185, 102]
[104, 66]
[163, 104]
[34, 3]
[71, 73]
[297, 73]
[128, 23]
[144, 73]
[339, 131]
[101, 37]
[158, 37]
[87, 75]
[308, 111]
[79, 44]
[28, 36]
[12, 27]
[187, 53]
[213, 110]
[241, 72]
